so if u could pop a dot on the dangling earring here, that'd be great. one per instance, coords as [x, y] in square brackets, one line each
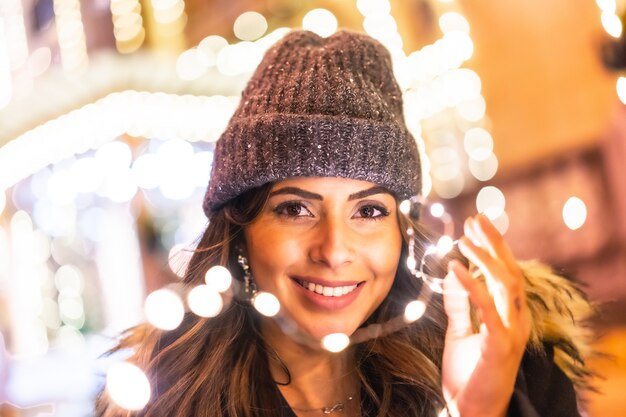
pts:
[249, 286]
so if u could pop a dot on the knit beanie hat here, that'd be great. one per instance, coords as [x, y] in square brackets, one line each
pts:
[317, 107]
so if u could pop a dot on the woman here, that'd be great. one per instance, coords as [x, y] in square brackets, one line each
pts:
[303, 203]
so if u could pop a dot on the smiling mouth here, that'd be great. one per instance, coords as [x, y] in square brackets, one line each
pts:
[325, 290]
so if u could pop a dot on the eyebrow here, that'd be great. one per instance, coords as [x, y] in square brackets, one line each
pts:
[313, 196]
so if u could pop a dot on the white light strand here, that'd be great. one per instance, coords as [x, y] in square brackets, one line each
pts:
[139, 114]
[127, 25]
[71, 35]
[12, 15]
[6, 81]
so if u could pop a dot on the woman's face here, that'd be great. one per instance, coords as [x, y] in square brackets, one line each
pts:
[328, 249]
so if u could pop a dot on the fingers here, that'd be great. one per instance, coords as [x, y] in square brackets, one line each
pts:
[459, 316]
[482, 231]
[486, 249]
[457, 306]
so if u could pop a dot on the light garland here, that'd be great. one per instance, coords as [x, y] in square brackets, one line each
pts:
[127, 25]
[71, 35]
[614, 27]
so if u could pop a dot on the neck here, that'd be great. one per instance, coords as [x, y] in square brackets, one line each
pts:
[318, 378]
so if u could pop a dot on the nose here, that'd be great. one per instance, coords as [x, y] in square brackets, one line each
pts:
[333, 244]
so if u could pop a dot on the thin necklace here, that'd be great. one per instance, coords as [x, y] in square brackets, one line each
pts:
[335, 408]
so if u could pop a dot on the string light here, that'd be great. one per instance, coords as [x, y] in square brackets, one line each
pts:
[335, 342]
[71, 35]
[320, 21]
[127, 25]
[128, 386]
[266, 303]
[574, 213]
[205, 301]
[612, 24]
[250, 26]
[167, 11]
[164, 309]
[414, 310]
[12, 23]
[6, 82]
[143, 114]
[621, 89]
[218, 278]
[490, 201]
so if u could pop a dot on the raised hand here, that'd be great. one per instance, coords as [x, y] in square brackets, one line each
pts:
[479, 368]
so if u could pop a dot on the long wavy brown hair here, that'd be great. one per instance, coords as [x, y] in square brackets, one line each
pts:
[219, 367]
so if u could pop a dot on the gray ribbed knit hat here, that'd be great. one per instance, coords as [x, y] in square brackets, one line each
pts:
[317, 107]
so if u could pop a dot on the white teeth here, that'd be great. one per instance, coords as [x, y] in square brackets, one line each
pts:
[328, 291]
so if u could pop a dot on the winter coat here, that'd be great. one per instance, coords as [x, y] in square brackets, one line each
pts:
[553, 367]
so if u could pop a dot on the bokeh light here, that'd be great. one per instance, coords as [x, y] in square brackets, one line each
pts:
[250, 26]
[437, 210]
[335, 342]
[128, 386]
[320, 21]
[414, 310]
[490, 201]
[612, 24]
[621, 89]
[574, 213]
[218, 278]
[266, 303]
[205, 301]
[164, 309]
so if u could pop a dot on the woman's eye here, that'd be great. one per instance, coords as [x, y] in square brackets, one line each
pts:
[292, 209]
[372, 212]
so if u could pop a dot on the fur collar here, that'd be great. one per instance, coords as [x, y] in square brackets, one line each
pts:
[560, 315]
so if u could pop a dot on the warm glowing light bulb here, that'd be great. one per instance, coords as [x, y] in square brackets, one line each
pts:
[250, 26]
[437, 210]
[335, 342]
[414, 310]
[608, 6]
[405, 207]
[451, 21]
[490, 201]
[164, 309]
[411, 263]
[266, 303]
[444, 245]
[478, 143]
[574, 213]
[621, 89]
[612, 24]
[3, 201]
[320, 21]
[128, 386]
[218, 278]
[204, 301]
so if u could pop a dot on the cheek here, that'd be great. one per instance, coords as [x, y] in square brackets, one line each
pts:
[270, 252]
[384, 253]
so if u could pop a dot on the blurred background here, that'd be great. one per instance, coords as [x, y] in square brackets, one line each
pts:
[109, 110]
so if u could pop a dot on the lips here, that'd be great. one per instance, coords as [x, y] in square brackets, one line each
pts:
[325, 290]
[328, 294]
